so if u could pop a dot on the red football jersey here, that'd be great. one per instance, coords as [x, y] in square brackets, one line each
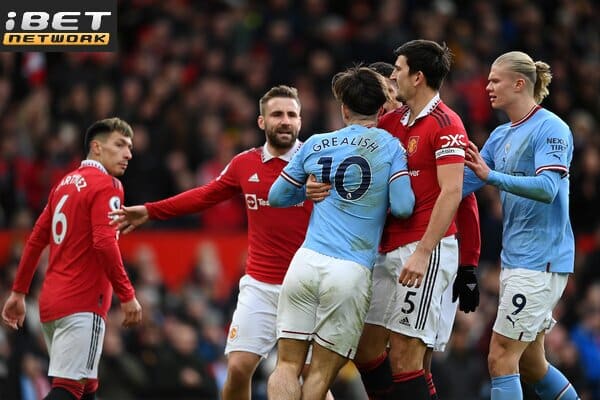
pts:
[84, 256]
[274, 234]
[436, 137]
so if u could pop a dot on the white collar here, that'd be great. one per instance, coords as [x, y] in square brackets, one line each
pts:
[95, 164]
[433, 103]
[266, 156]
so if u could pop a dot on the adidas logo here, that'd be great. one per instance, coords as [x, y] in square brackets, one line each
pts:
[471, 286]
[405, 321]
[254, 178]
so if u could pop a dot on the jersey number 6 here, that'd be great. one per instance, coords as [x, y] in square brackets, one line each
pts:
[58, 218]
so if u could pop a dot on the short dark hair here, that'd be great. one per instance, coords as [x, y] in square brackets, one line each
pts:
[105, 127]
[427, 56]
[361, 89]
[382, 68]
[278, 91]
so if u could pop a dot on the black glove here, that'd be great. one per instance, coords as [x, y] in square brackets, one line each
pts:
[466, 289]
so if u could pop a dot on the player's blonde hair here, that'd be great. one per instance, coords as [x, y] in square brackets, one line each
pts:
[537, 74]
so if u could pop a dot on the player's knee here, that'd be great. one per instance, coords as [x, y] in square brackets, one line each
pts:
[501, 362]
[239, 373]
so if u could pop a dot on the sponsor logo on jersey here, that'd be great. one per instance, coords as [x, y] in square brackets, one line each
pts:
[251, 202]
[411, 146]
[453, 140]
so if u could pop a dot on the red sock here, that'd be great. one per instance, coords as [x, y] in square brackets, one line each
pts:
[71, 386]
[411, 385]
[376, 376]
[91, 386]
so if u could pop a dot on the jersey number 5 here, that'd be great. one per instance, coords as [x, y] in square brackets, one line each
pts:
[340, 175]
[58, 218]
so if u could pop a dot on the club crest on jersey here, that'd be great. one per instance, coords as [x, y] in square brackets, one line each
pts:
[233, 333]
[411, 146]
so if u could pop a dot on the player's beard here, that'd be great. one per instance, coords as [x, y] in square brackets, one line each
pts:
[279, 141]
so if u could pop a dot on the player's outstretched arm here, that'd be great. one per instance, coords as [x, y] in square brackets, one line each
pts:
[132, 311]
[129, 218]
[13, 312]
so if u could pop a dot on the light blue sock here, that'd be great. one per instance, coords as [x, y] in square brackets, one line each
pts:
[507, 387]
[554, 386]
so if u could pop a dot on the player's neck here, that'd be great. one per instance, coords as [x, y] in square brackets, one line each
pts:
[418, 102]
[517, 110]
[367, 122]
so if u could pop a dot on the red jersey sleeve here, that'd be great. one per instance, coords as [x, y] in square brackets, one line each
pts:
[104, 236]
[36, 242]
[224, 187]
[449, 145]
[469, 236]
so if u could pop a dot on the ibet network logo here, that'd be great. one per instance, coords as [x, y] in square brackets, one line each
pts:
[58, 25]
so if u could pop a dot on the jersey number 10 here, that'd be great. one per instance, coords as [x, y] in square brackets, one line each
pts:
[340, 174]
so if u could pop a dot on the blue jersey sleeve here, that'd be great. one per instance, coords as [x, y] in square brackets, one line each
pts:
[553, 146]
[288, 189]
[542, 187]
[401, 196]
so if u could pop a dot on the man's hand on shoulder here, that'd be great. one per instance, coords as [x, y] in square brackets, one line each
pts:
[466, 289]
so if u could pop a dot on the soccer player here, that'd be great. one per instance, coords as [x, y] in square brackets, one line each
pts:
[274, 234]
[326, 292]
[528, 159]
[84, 265]
[421, 253]
[385, 69]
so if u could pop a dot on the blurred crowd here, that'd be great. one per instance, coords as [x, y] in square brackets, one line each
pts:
[188, 76]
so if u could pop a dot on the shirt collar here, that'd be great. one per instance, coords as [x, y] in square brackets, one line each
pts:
[95, 164]
[266, 156]
[433, 103]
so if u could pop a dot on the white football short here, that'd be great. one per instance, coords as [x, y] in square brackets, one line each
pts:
[416, 312]
[74, 345]
[447, 316]
[252, 327]
[527, 298]
[324, 299]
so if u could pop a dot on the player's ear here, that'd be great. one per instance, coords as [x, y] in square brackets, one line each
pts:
[95, 147]
[261, 122]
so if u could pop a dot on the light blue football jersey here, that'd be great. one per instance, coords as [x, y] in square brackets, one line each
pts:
[536, 235]
[362, 164]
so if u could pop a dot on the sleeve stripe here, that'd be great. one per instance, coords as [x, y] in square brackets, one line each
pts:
[397, 175]
[291, 180]
[561, 168]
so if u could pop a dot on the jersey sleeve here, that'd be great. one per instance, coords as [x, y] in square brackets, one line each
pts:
[288, 188]
[401, 197]
[449, 145]
[108, 198]
[469, 236]
[37, 241]
[552, 147]
[224, 187]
